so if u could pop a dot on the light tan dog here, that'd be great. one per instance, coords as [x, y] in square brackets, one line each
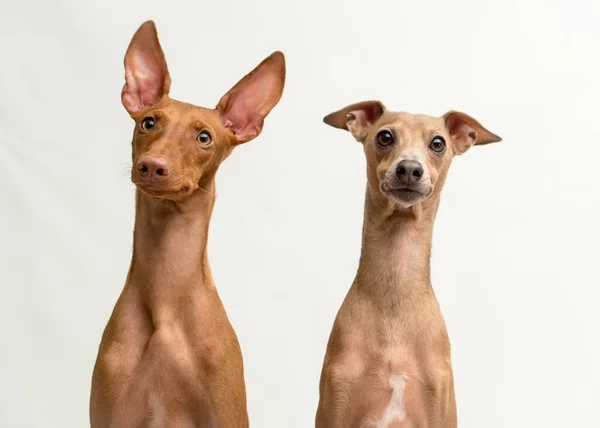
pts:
[388, 357]
[169, 356]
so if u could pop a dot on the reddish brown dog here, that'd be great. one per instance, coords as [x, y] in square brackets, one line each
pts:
[388, 358]
[169, 356]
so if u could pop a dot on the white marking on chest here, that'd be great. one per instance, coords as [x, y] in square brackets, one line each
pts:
[157, 411]
[395, 410]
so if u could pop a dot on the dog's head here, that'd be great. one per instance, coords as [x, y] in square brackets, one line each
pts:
[176, 145]
[408, 155]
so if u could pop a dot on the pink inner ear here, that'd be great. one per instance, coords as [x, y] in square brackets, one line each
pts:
[372, 112]
[147, 77]
[358, 117]
[464, 127]
[462, 130]
[147, 80]
[463, 136]
[242, 113]
[244, 108]
[358, 121]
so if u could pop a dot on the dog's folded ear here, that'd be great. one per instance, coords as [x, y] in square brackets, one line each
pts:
[147, 78]
[356, 118]
[243, 109]
[466, 132]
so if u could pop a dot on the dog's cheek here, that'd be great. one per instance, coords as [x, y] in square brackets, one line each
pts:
[382, 170]
[135, 148]
[434, 178]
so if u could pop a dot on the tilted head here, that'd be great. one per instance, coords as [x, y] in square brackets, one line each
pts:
[408, 155]
[176, 145]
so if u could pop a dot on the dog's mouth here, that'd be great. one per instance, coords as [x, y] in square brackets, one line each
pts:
[405, 195]
[406, 191]
[403, 190]
[174, 194]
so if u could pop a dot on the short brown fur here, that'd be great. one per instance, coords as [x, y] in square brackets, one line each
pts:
[169, 356]
[390, 323]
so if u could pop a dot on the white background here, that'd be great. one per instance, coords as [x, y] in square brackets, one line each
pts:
[516, 245]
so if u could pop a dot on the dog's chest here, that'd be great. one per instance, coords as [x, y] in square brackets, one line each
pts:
[393, 413]
[387, 369]
[159, 386]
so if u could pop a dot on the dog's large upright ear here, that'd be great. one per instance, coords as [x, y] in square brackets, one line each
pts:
[243, 109]
[466, 132]
[356, 118]
[147, 78]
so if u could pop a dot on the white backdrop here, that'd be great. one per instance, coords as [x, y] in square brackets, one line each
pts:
[516, 245]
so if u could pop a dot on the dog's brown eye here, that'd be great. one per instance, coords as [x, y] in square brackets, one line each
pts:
[438, 144]
[385, 138]
[204, 138]
[147, 123]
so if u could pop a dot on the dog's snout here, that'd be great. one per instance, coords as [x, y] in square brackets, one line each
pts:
[153, 167]
[409, 172]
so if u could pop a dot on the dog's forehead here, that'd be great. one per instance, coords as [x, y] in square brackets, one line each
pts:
[188, 112]
[178, 113]
[413, 123]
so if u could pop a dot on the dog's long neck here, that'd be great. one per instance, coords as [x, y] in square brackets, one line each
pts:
[394, 264]
[170, 266]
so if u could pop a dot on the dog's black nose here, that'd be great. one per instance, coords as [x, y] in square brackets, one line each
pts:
[409, 172]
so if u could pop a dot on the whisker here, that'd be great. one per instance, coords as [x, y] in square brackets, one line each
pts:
[124, 170]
